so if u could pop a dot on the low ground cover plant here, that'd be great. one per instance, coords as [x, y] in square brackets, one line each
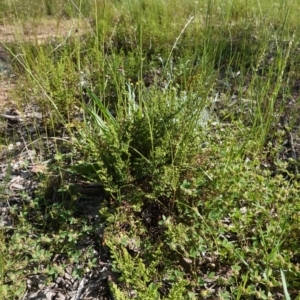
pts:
[186, 116]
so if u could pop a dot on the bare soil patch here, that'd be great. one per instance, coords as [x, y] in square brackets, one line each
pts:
[42, 30]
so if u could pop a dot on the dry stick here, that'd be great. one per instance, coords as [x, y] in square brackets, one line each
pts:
[80, 288]
[25, 145]
[11, 117]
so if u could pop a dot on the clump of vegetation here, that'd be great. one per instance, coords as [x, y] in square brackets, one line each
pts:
[188, 122]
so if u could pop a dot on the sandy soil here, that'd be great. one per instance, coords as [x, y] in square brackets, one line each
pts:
[42, 30]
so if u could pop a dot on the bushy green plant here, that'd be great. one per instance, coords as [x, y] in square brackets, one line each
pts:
[144, 140]
[230, 212]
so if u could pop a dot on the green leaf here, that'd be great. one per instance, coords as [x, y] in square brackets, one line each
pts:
[214, 215]
[285, 290]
